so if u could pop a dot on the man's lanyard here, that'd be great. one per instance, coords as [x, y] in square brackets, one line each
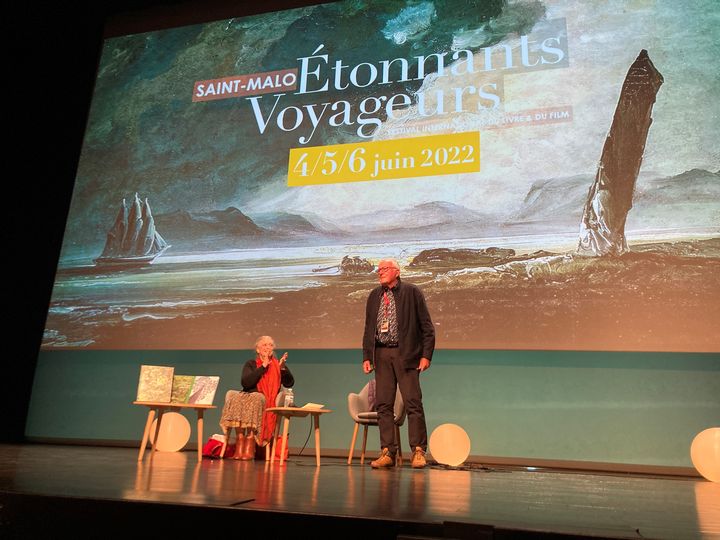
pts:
[385, 322]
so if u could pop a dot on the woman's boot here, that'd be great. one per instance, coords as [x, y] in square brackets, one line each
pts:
[239, 445]
[249, 450]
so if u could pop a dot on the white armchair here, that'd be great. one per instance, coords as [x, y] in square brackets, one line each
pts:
[359, 409]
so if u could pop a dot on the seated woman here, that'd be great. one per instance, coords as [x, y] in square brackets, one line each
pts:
[246, 411]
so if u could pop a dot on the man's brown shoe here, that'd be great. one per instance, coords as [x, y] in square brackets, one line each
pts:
[418, 458]
[386, 459]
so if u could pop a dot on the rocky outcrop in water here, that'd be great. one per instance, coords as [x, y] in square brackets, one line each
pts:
[602, 228]
[468, 257]
[355, 265]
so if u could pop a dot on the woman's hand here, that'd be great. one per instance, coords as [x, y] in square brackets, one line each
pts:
[265, 359]
[264, 348]
[283, 358]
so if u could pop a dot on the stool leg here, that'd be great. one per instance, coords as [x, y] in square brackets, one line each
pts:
[316, 421]
[276, 434]
[362, 453]
[352, 443]
[146, 433]
[157, 429]
[286, 426]
[226, 432]
[200, 434]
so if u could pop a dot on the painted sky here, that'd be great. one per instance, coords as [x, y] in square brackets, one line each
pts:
[683, 42]
[145, 135]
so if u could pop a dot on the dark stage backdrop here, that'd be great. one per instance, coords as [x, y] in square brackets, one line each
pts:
[244, 177]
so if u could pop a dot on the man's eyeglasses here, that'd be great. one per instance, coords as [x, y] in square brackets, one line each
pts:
[386, 268]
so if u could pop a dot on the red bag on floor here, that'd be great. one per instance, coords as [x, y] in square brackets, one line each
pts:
[213, 447]
[278, 447]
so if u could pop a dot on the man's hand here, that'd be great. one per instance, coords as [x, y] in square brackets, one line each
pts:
[367, 366]
[424, 364]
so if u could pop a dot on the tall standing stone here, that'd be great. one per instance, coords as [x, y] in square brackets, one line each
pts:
[602, 229]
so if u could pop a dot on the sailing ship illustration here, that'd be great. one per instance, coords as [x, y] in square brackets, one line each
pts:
[132, 240]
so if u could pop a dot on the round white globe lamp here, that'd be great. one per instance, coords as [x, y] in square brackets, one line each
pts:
[174, 432]
[449, 445]
[705, 453]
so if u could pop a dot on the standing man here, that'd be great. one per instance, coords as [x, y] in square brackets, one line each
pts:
[398, 344]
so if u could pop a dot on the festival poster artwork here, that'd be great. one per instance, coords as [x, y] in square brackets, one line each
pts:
[194, 389]
[155, 384]
[203, 390]
[181, 387]
[546, 171]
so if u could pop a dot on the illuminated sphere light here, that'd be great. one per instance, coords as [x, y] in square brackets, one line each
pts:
[705, 453]
[174, 432]
[449, 445]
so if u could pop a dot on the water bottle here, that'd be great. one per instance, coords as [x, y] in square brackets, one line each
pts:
[289, 398]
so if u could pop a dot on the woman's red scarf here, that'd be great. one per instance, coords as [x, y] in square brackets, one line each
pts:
[269, 385]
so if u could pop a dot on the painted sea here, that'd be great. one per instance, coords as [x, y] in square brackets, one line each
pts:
[299, 295]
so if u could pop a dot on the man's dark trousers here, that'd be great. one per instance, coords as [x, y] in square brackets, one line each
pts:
[390, 371]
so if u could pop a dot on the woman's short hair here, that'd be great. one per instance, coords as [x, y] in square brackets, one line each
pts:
[263, 338]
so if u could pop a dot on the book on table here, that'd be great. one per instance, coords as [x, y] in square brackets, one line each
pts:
[155, 383]
[312, 406]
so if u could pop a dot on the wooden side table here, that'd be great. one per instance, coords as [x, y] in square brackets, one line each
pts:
[162, 408]
[295, 412]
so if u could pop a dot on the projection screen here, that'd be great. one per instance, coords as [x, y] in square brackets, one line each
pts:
[546, 171]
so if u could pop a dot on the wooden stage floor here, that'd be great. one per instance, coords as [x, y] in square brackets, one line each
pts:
[52, 491]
